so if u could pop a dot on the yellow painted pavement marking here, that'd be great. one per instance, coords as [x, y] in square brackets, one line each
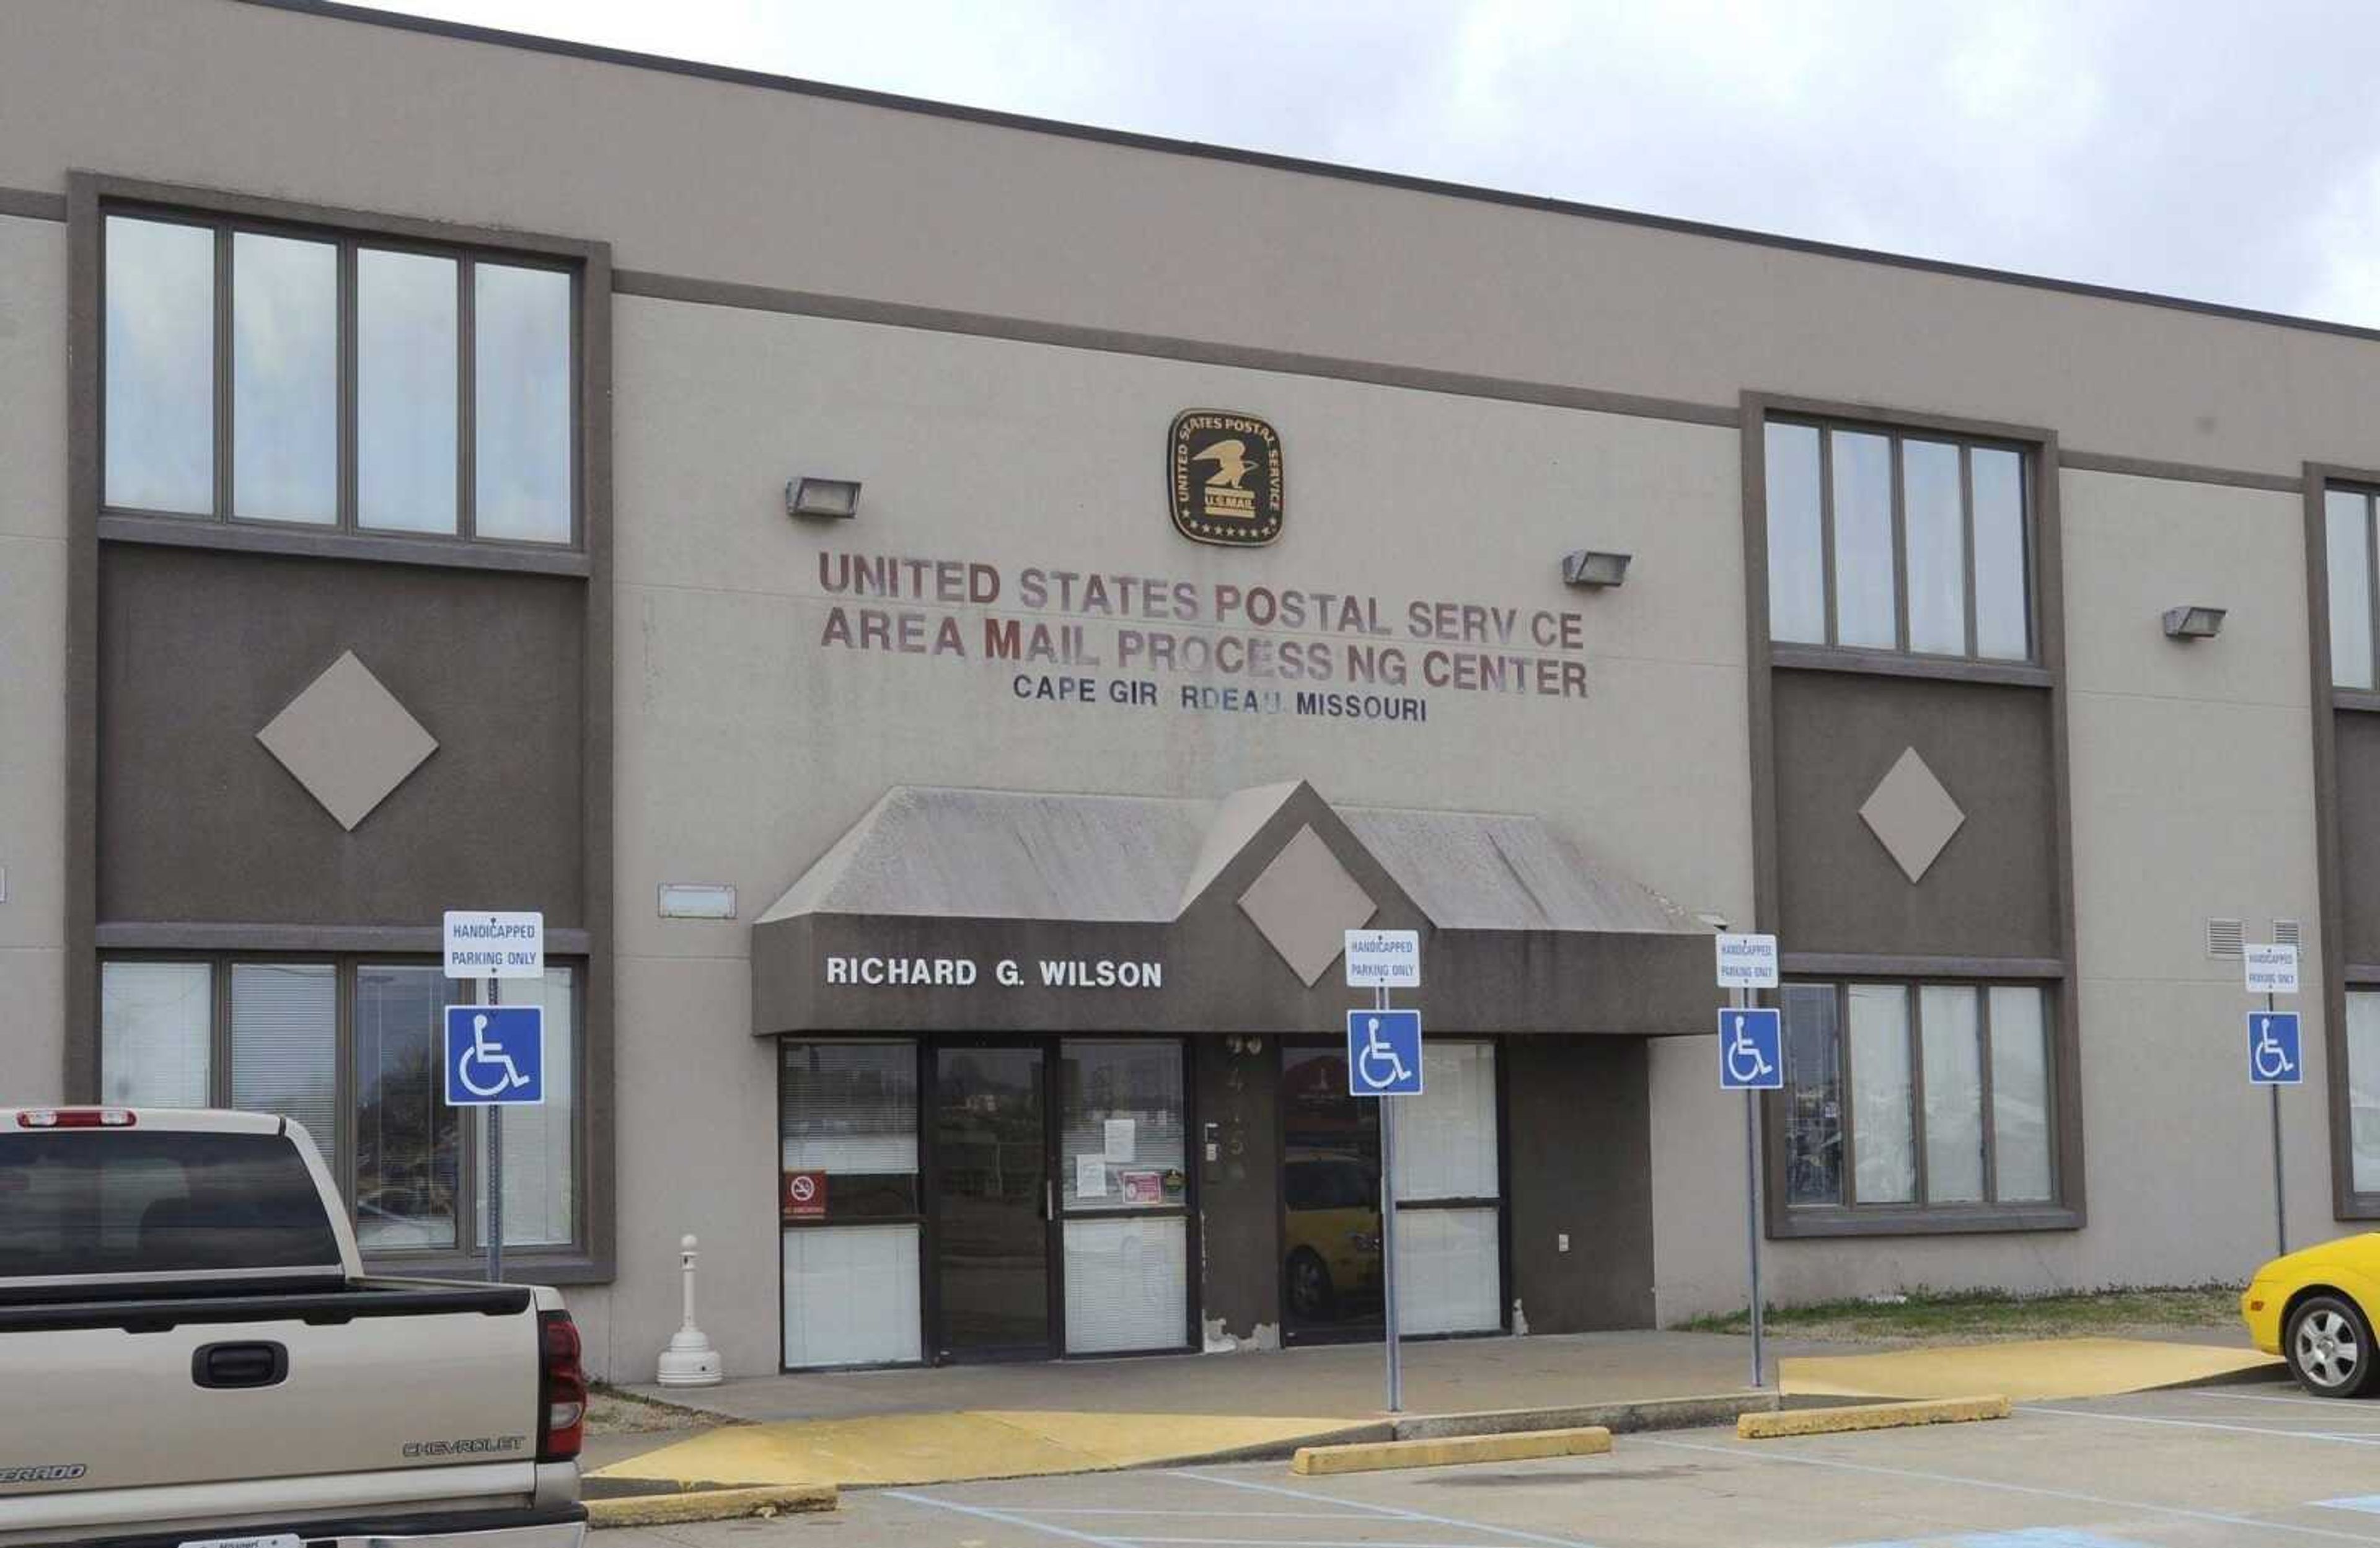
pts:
[2033, 1371]
[949, 1447]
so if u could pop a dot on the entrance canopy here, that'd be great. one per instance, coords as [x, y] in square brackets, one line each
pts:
[1000, 911]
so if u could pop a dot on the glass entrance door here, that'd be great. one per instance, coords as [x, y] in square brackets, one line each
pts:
[991, 1215]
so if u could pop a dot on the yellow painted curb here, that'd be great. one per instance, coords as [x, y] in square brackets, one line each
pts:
[1373, 1455]
[709, 1505]
[1868, 1416]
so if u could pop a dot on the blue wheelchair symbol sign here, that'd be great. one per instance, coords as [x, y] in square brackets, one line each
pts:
[1384, 1053]
[495, 1056]
[1751, 1046]
[2273, 1049]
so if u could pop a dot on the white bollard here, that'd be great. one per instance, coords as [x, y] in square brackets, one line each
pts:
[689, 1361]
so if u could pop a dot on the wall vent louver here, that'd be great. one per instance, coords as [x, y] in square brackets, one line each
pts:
[2288, 932]
[2224, 938]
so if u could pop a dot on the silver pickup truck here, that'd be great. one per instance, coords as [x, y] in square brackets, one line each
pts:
[191, 1356]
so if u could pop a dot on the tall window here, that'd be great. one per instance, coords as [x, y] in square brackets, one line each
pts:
[1881, 539]
[317, 380]
[1916, 1095]
[350, 1048]
[2348, 552]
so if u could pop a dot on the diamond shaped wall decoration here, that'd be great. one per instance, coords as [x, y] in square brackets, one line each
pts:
[348, 741]
[1912, 815]
[1303, 904]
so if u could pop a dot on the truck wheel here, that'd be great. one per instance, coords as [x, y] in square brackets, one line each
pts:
[2329, 1346]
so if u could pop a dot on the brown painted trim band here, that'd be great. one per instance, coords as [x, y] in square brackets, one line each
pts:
[1275, 163]
[200, 532]
[2179, 472]
[29, 204]
[183, 936]
[1823, 658]
[1854, 964]
[894, 314]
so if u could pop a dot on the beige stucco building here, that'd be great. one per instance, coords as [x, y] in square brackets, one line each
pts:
[1204, 594]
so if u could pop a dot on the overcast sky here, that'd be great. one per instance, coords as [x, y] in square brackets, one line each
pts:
[2213, 148]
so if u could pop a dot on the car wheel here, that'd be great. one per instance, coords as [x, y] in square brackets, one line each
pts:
[1311, 1296]
[2328, 1345]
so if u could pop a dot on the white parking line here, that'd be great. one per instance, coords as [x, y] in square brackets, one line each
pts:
[2205, 1425]
[1218, 1515]
[2334, 1404]
[1745, 1453]
[1512, 1532]
[1004, 1517]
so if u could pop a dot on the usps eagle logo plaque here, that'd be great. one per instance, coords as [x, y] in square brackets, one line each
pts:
[1225, 474]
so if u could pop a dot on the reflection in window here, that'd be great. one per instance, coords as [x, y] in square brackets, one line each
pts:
[405, 390]
[1906, 542]
[2347, 515]
[1864, 585]
[412, 449]
[539, 1183]
[160, 343]
[2363, 1088]
[153, 1042]
[2003, 629]
[1974, 1151]
[1884, 1153]
[1814, 1099]
[1121, 1123]
[1797, 580]
[405, 1135]
[279, 1028]
[284, 379]
[284, 1037]
[1950, 1023]
[1937, 548]
[2020, 1032]
[521, 380]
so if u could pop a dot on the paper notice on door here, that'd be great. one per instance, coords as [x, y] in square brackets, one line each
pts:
[1091, 1176]
[1122, 1136]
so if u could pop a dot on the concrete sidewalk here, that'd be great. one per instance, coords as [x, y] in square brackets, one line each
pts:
[1446, 1375]
[962, 1422]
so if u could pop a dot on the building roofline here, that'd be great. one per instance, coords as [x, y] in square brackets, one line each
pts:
[1271, 161]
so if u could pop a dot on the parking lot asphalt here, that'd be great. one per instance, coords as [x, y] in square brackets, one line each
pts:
[2207, 1468]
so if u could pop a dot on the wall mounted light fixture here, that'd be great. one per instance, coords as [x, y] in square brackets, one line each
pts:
[1595, 568]
[831, 497]
[2193, 623]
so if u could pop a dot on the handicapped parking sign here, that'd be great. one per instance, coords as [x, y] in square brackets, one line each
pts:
[1751, 1045]
[495, 1056]
[1384, 1053]
[2273, 1049]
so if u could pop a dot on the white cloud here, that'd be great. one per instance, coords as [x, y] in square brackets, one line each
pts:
[2194, 147]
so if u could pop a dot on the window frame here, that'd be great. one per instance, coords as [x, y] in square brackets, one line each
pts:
[347, 242]
[1917, 1215]
[339, 1150]
[2369, 495]
[1897, 431]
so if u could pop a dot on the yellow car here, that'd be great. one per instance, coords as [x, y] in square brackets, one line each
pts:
[2314, 1309]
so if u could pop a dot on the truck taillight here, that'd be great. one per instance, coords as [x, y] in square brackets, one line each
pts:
[562, 1389]
[75, 1117]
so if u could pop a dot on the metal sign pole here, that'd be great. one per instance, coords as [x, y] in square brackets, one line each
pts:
[495, 1171]
[1736, 999]
[2280, 1194]
[1388, 1107]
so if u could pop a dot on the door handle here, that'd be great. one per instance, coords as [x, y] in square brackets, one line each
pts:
[1049, 1199]
[239, 1365]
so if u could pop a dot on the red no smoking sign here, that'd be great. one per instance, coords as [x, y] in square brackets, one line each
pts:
[804, 1196]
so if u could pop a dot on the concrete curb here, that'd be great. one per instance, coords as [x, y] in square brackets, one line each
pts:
[711, 1505]
[1868, 1416]
[1652, 1413]
[1517, 1446]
